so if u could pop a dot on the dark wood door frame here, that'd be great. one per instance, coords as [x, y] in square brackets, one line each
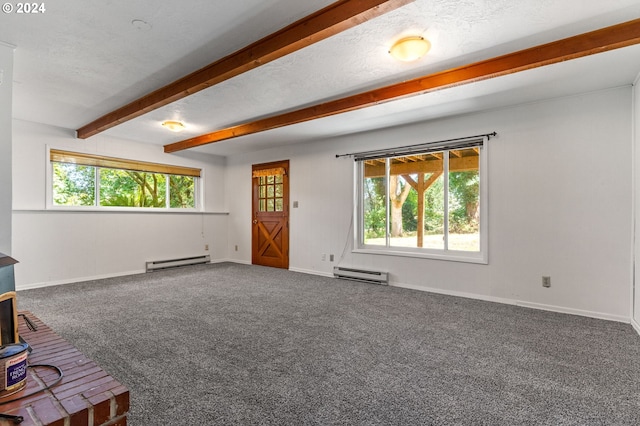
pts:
[270, 214]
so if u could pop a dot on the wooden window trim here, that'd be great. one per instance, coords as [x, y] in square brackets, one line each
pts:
[60, 156]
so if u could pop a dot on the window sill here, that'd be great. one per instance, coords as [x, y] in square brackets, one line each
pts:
[453, 256]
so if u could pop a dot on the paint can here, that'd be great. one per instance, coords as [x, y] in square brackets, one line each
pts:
[13, 368]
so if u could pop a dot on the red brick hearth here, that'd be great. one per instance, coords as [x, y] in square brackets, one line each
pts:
[87, 395]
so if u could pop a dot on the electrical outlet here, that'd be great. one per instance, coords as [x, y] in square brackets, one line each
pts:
[324, 257]
[206, 247]
[546, 281]
[330, 258]
[236, 247]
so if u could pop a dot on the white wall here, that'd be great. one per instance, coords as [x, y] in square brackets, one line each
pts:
[560, 204]
[6, 77]
[56, 246]
[560, 189]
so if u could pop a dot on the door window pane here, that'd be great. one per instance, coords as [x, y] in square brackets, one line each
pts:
[271, 193]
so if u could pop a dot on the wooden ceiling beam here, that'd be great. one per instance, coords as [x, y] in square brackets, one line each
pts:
[602, 40]
[331, 20]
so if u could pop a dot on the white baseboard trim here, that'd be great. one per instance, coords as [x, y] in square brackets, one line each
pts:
[239, 261]
[571, 311]
[523, 304]
[311, 272]
[76, 280]
[539, 306]
[455, 293]
[103, 276]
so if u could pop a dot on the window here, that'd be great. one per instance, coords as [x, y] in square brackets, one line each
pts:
[81, 180]
[270, 189]
[427, 203]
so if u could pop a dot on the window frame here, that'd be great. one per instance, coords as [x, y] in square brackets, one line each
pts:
[481, 256]
[145, 167]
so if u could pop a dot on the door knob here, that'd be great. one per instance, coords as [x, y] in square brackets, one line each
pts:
[255, 221]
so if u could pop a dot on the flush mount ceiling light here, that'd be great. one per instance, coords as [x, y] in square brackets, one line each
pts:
[410, 48]
[174, 126]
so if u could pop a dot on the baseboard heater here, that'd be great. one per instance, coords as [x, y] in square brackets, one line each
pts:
[373, 277]
[174, 263]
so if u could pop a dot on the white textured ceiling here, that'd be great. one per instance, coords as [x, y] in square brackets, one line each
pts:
[83, 58]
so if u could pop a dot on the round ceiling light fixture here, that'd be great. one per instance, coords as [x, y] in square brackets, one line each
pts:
[410, 49]
[174, 126]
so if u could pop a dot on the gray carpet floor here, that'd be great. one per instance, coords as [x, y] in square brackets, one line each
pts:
[230, 344]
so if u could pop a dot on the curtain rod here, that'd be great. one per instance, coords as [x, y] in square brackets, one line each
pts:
[425, 145]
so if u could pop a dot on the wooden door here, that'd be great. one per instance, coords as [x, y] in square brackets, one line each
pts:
[270, 218]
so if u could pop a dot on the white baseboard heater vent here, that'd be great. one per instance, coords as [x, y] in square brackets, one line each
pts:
[174, 263]
[374, 277]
